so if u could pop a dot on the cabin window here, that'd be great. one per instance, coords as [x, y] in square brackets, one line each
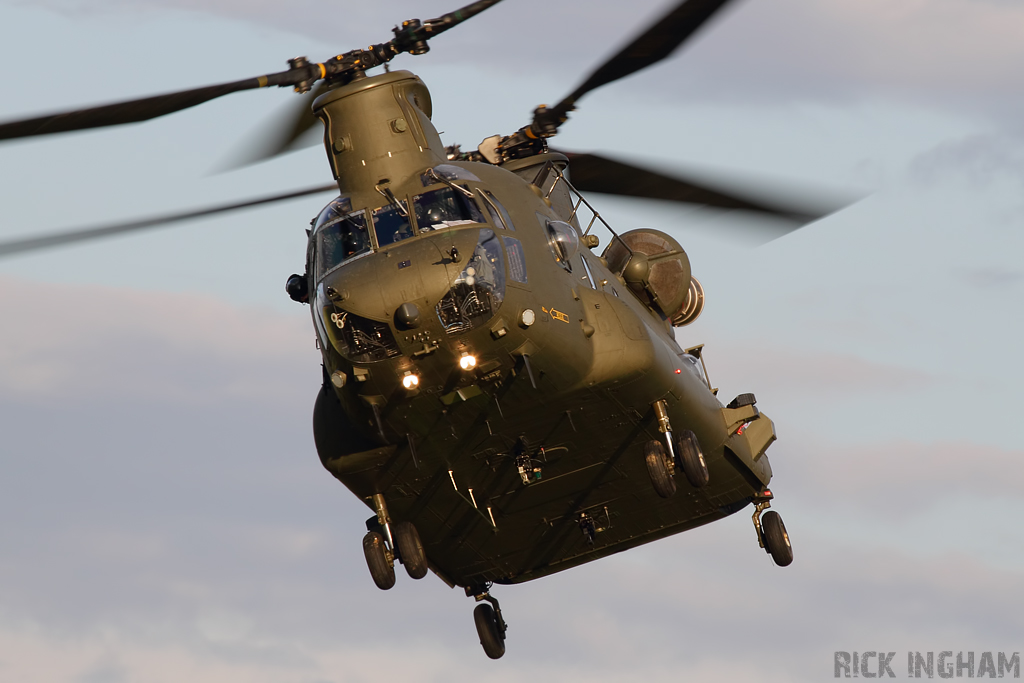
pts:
[492, 202]
[445, 208]
[341, 239]
[563, 241]
[694, 365]
[479, 289]
[589, 277]
[391, 225]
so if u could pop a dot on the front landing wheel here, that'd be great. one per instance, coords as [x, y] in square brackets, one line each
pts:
[776, 539]
[489, 630]
[382, 568]
[659, 467]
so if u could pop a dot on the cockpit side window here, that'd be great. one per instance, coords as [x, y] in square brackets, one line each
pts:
[338, 207]
[445, 208]
[493, 213]
[339, 240]
[491, 199]
[390, 225]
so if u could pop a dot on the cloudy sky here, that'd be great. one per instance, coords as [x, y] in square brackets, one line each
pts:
[164, 515]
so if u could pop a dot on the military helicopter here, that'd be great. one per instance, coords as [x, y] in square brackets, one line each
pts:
[508, 400]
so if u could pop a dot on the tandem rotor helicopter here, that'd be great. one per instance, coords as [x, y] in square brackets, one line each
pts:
[507, 397]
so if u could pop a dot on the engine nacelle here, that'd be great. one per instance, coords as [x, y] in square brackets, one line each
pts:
[657, 271]
[693, 307]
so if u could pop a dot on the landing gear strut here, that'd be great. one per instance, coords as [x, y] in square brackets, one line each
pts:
[489, 624]
[385, 542]
[771, 532]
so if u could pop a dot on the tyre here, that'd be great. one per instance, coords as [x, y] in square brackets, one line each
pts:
[776, 539]
[382, 570]
[658, 468]
[489, 631]
[410, 549]
[692, 460]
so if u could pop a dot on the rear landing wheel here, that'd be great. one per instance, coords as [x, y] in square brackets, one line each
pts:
[489, 630]
[381, 567]
[692, 460]
[659, 467]
[410, 549]
[776, 539]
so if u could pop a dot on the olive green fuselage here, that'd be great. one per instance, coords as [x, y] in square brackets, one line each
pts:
[571, 393]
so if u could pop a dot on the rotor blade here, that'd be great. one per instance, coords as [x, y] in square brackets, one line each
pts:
[61, 238]
[142, 109]
[277, 135]
[595, 173]
[298, 118]
[433, 27]
[650, 47]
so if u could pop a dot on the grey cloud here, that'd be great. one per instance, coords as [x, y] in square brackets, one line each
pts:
[993, 278]
[981, 159]
[104, 672]
[663, 612]
[898, 479]
[104, 341]
[820, 374]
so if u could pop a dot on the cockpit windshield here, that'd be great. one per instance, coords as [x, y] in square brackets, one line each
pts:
[445, 208]
[391, 224]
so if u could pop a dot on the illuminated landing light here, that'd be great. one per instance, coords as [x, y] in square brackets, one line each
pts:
[527, 317]
[410, 381]
[467, 362]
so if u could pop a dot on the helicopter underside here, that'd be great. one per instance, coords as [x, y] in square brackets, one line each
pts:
[511, 485]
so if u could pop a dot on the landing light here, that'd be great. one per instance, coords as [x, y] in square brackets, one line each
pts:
[410, 381]
[467, 362]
